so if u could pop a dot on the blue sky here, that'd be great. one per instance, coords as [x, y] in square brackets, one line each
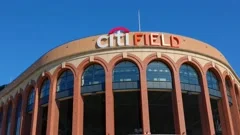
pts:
[28, 29]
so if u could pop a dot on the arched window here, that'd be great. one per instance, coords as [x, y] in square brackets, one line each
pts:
[159, 76]
[213, 84]
[44, 91]
[93, 79]
[125, 76]
[8, 128]
[228, 88]
[30, 101]
[65, 84]
[18, 117]
[189, 79]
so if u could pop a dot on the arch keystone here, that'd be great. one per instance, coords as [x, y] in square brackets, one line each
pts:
[124, 54]
[189, 58]
[43, 74]
[63, 65]
[91, 58]
[159, 55]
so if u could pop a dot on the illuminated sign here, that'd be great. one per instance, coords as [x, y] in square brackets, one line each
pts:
[122, 38]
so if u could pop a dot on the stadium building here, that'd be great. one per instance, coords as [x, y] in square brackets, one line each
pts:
[123, 83]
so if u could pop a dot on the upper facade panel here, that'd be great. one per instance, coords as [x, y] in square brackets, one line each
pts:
[115, 39]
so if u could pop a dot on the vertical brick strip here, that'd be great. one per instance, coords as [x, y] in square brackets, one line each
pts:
[205, 130]
[53, 111]
[222, 117]
[206, 106]
[4, 120]
[24, 114]
[226, 110]
[77, 122]
[235, 112]
[109, 104]
[35, 112]
[39, 120]
[144, 102]
[180, 127]
[13, 117]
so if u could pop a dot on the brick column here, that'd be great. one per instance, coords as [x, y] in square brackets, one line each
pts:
[144, 102]
[202, 115]
[206, 108]
[35, 112]
[39, 120]
[4, 120]
[179, 118]
[226, 110]
[53, 111]
[77, 122]
[109, 104]
[222, 117]
[13, 118]
[23, 114]
[235, 112]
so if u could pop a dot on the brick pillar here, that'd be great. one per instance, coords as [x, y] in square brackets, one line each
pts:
[109, 104]
[202, 115]
[23, 114]
[144, 102]
[53, 111]
[35, 112]
[4, 120]
[39, 121]
[206, 109]
[179, 119]
[13, 118]
[235, 112]
[222, 117]
[226, 110]
[77, 122]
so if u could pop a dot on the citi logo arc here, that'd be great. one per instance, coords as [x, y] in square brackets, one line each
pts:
[120, 36]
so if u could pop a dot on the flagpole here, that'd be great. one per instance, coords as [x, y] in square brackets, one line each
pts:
[139, 24]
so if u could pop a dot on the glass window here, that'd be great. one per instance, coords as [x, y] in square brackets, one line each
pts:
[189, 78]
[31, 97]
[228, 88]
[159, 75]
[212, 81]
[93, 75]
[45, 88]
[65, 81]
[31, 100]
[125, 72]
[18, 117]
[125, 76]
[213, 84]
[188, 75]
[93, 79]
[8, 128]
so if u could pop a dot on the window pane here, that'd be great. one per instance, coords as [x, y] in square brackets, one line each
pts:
[125, 71]
[65, 81]
[212, 81]
[45, 88]
[93, 75]
[157, 74]
[189, 78]
[31, 97]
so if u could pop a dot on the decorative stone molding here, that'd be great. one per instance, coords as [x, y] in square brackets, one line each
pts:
[91, 58]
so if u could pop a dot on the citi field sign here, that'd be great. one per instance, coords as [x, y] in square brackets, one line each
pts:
[120, 37]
